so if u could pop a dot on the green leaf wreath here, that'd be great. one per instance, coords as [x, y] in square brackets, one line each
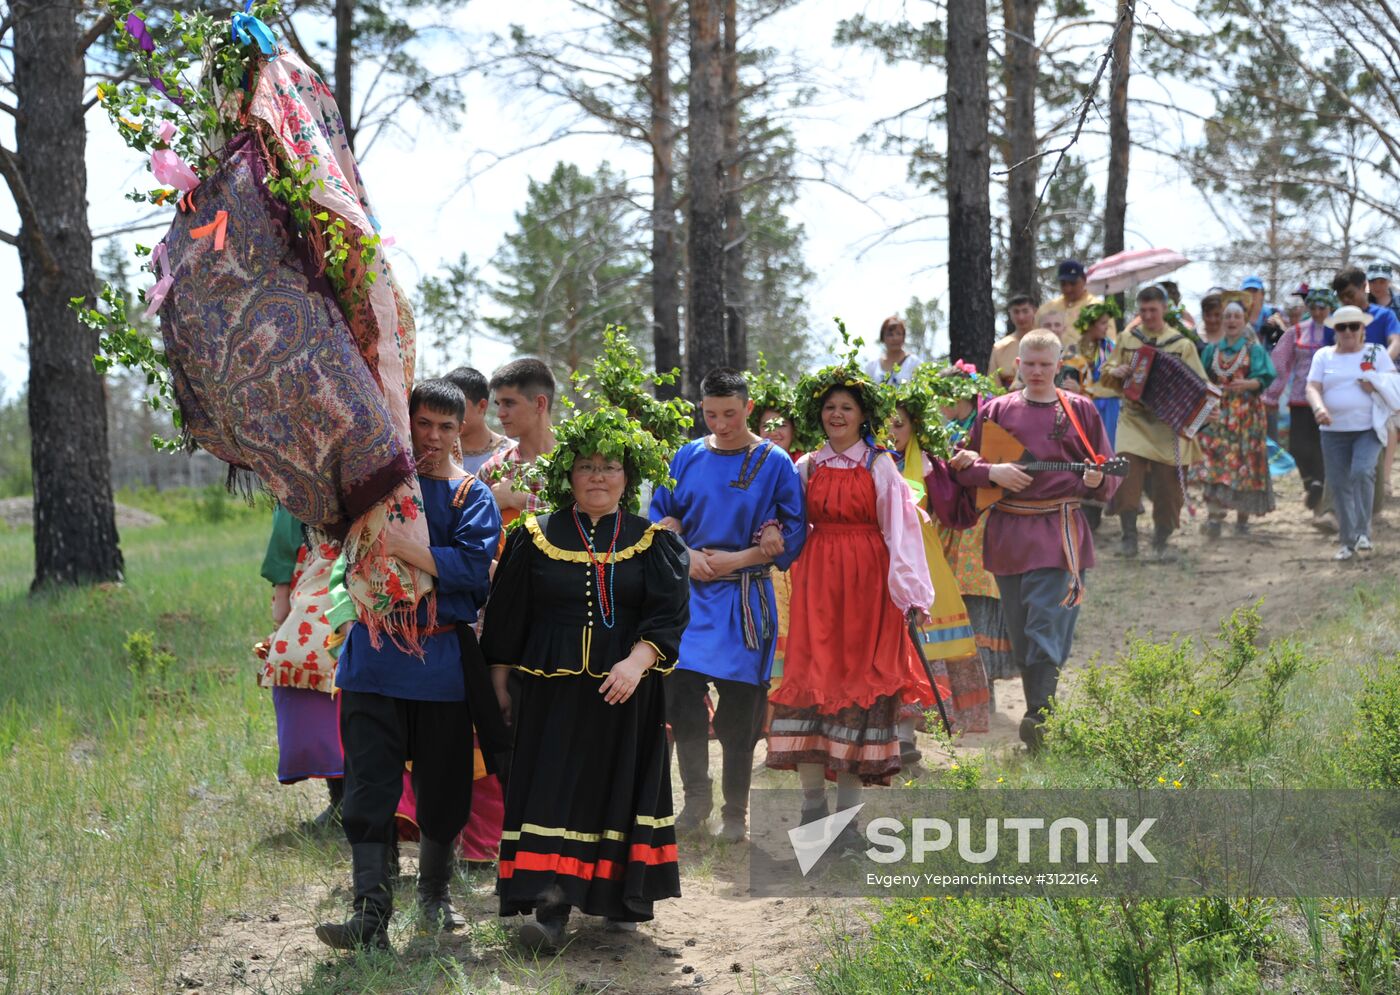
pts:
[875, 400]
[613, 434]
[925, 415]
[618, 377]
[1091, 313]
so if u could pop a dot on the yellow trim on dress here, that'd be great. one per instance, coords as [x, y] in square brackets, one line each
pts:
[581, 556]
[660, 659]
[649, 821]
[586, 636]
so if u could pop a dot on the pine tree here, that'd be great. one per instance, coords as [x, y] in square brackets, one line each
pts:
[571, 268]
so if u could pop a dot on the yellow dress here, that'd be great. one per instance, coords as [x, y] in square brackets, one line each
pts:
[948, 639]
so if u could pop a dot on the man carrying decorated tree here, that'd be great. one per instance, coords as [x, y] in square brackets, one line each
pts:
[737, 504]
[398, 707]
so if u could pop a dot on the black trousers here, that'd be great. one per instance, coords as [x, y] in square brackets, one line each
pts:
[738, 716]
[380, 734]
[1305, 444]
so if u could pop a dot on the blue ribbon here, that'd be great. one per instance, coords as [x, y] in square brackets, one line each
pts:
[247, 29]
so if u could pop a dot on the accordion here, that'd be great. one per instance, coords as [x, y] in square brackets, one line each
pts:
[1171, 390]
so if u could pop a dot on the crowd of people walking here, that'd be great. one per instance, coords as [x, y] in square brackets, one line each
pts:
[832, 564]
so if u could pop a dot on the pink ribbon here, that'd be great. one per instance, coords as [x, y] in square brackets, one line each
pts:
[169, 168]
[160, 262]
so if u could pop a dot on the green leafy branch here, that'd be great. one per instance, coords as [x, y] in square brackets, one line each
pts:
[120, 343]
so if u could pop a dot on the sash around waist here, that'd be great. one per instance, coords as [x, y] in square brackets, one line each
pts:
[1037, 506]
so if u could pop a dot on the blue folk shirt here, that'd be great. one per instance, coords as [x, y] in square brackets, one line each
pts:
[722, 499]
[463, 541]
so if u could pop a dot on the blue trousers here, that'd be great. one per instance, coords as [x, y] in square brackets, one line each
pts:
[1041, 629]
[1350, 461]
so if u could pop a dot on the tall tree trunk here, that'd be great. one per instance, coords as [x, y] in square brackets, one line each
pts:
[705, 298]
[75, 528]
[1019, 74]
[344, 65]
[1116, 198]
[736, 332]
[665, 267]
[973, 325]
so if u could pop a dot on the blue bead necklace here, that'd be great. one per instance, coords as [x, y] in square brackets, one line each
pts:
[607, 605]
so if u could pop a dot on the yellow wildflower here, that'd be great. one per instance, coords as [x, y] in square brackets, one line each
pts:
[1161, 780]
[1058, 974]
[1195, 711]
[1176, 784]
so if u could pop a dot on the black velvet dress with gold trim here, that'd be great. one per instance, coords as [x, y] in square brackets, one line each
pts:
[588, 821]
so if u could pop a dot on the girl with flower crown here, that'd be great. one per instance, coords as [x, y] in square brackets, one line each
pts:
[861, 577]
[916, 434]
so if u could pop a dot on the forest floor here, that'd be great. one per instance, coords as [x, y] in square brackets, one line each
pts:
[149, 824]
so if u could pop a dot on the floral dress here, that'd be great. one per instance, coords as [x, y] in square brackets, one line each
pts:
[1235, 472]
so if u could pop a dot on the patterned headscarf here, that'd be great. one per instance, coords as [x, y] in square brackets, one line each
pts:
[1324, 296]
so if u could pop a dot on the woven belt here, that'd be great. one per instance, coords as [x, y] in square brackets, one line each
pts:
[1069, 534]
[753, 633]
[440, 630]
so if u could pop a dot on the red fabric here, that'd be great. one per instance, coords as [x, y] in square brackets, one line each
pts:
[480, 838]
[587, 869]
[848, 643]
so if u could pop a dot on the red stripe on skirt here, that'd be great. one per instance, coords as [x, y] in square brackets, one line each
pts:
[587, 870]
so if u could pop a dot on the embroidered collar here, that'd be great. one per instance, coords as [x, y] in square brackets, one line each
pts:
[742, 450]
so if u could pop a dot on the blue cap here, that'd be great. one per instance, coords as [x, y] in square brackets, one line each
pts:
[1252, 283]
[1071, 269]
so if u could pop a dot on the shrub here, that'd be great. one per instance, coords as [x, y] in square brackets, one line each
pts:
[1373, 744]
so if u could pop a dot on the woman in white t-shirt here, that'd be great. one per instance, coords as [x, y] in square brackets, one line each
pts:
[1341, 402]
[896, 366]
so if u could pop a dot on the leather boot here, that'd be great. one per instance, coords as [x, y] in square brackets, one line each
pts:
[548, 930]
[434, 876]
[368, 925]
[734, 782]
[693, 758]
[1128, 545]
[329, 819]
[1161, 552]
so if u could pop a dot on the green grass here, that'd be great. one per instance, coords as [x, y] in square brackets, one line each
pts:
[131, 798]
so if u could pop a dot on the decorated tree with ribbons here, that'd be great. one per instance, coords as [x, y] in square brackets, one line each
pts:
[288, 346]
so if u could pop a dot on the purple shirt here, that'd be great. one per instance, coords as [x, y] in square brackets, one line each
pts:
[1016, 544]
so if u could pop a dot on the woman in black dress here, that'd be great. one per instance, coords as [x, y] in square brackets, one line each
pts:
[588, 606]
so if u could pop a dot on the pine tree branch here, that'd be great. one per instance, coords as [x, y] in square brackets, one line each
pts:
[29, 217]
[99, 28]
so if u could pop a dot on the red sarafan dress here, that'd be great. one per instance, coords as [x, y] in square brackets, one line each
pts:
[850, 663]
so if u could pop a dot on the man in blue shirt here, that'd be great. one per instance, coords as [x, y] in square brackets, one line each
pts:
[399, 707]
[1384, 330]
[738, 506]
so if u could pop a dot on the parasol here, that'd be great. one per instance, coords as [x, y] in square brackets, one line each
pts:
[1126, 269]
